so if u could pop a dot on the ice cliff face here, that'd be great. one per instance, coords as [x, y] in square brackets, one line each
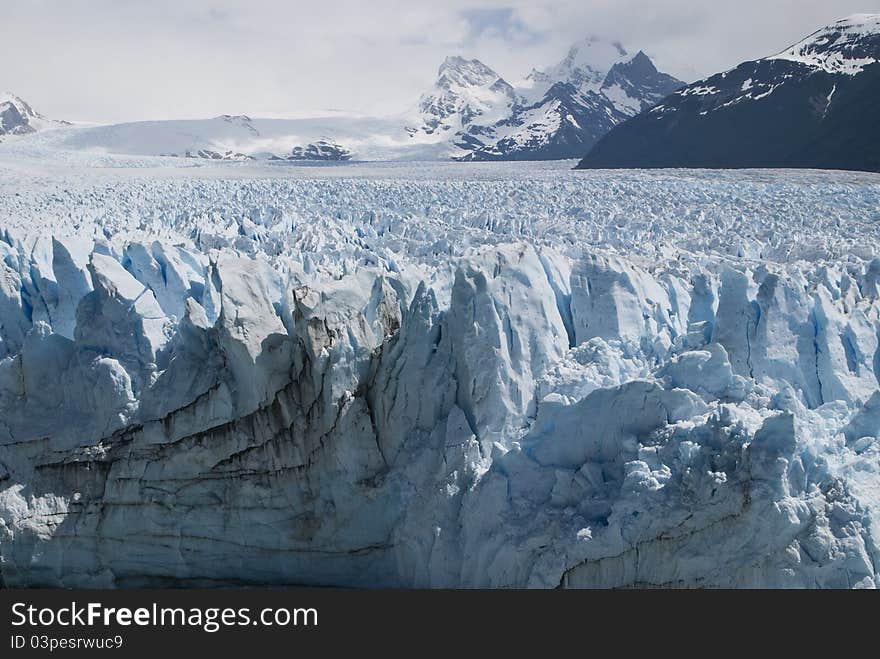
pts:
[379, 381]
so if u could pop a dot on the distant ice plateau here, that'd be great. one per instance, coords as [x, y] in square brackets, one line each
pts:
[437, 375]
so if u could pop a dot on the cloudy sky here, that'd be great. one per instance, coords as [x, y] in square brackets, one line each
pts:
[116, 60]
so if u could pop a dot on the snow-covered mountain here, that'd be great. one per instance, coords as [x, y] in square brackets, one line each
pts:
[562, 112]
[472, 113]
[585, 66]
[469, 113]
[552, 114]
[466, 92]
[812, 105]
[847, 46]
[19, 118]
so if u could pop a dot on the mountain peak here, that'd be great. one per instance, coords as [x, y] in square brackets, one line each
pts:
[465, 89]
[19, 118]
[595, 52]
[19, 104]
[16, 116]
[846, 46]
[456, 70]
[866, 23]
[454, 61]
[588, 61]
[642, 57]
[639, 66]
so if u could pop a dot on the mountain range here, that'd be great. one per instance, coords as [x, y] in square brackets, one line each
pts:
[469, 113]
[813, 105]
[553, 114]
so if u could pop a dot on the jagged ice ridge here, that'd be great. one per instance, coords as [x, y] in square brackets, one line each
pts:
[496, 376]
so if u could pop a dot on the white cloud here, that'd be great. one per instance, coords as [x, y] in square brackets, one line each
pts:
[112, 60]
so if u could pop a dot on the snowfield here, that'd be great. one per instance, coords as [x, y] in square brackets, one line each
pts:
[438, 375]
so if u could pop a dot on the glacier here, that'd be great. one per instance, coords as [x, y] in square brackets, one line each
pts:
[437, 375]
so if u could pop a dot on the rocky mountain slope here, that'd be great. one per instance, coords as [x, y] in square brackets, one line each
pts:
[563, 112]
[466, 92]
[812, 105]
[553, 114]
[19, 118]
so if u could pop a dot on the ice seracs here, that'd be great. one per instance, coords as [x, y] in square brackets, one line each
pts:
[438, 376]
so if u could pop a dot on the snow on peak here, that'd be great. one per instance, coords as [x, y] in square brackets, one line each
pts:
[17, 117]
[19, 104]
[846, 46]
[860, 24]
[589, 61]
[465, 89]
[585, 65]
[456, 71]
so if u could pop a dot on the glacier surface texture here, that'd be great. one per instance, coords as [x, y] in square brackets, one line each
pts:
[445, 375]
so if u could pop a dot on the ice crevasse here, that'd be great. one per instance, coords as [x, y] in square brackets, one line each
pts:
[512, 414]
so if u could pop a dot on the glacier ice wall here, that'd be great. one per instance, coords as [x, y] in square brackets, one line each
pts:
[645, 380]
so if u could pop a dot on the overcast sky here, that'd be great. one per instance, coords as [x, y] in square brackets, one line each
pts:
[117, 60]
